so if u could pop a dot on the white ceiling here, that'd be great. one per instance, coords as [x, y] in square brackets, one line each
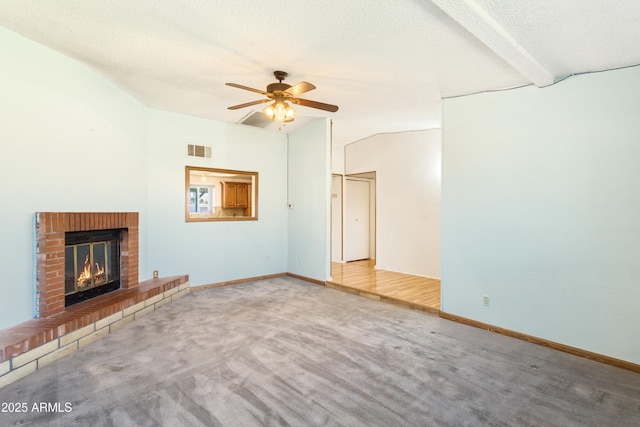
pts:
[386, 63]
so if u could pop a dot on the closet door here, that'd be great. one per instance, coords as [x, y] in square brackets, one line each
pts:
[356, 221]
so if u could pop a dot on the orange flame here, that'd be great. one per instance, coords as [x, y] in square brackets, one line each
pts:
[84, 279]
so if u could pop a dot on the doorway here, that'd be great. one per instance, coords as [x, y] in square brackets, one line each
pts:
[356, 219]
[359, 217]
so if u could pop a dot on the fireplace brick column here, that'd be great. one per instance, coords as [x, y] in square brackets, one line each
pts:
[50, 233]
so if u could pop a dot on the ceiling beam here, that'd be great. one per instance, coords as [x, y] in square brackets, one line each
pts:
[481, 25]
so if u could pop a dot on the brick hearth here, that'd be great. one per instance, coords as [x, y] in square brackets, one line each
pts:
[36, 343]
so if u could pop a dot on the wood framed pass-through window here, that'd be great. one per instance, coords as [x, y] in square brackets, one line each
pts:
[220, 195]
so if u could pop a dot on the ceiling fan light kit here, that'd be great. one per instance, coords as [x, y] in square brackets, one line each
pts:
[280, 111]
[280, 93]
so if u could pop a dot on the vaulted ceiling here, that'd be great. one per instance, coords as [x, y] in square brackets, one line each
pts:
[386, 63]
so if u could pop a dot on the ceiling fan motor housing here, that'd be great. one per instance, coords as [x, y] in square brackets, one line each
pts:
[274, 87]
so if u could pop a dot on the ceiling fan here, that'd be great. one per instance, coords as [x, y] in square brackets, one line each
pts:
[280, 94]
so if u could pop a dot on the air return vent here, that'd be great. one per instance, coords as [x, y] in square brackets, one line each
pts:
[199, 151]
[256, 119]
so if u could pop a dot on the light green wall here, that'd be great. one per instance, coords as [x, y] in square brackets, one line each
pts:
[309, 192]
[212, 252]
[541, 211]
[60, 121]
[69, 141]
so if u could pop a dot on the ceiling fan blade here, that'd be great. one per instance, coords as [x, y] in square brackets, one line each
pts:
[315, 104]
[300, 88]
[248, 104]
[247, 88]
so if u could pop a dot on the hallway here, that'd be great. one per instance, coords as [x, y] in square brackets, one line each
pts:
[361, 278]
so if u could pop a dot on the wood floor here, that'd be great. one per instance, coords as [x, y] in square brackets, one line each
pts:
[361, 278]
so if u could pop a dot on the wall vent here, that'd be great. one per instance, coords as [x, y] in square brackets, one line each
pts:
[199, 151]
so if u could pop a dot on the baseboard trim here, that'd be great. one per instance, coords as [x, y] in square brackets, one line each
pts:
[618, 363]
[235, 282]
[253, 279]
[307, 279]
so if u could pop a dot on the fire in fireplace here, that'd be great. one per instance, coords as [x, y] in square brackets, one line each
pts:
[92, 264]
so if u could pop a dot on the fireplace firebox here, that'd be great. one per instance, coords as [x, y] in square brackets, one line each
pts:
[92, 264]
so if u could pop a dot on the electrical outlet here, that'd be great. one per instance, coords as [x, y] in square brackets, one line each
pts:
[485, 300]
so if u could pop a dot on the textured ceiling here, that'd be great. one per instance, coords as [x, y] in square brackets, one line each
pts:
[386, 63]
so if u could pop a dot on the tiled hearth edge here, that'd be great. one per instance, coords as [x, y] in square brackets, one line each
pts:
[36, 343]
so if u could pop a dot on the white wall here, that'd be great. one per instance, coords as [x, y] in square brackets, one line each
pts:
[541, 211]
[336, 217]
[212, 252]
[408, 169]
[337, 159]
[69, 141]
[337, 167]
[309, 188]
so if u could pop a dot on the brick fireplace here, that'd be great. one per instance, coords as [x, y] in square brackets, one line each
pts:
[50, 252]
[58, 330]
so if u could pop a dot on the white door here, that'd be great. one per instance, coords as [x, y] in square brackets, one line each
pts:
[356, 221]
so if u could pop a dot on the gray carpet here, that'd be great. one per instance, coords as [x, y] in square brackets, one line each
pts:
[285, 352]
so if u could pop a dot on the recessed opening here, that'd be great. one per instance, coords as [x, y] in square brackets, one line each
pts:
[220, 194]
